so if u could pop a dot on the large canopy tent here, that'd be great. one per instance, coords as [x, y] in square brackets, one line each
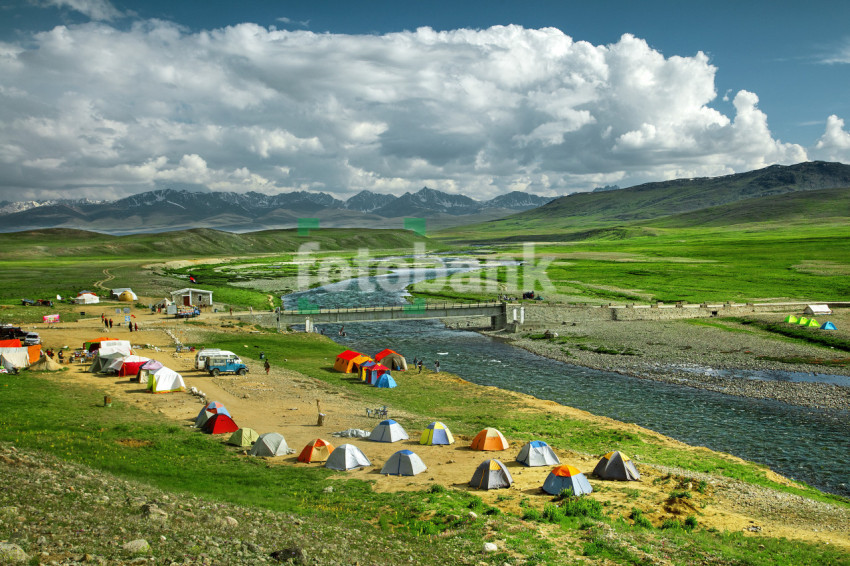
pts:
[616, 466]
[345, 362]
[391, 359]
[537, 453]
[269, 445]
[11, 343]
[347, 457]
[566, 477]
[14, 360]
[404, 463]
[95, 343]
[489, 439]
[388, 431]
[491, 474]
[436, 433]
[102, 361]
[317, 450]
[87, 298]
[131, 365]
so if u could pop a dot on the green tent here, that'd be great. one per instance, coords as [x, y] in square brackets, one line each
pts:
[792, 319]
[813, 323]
[243, 437]
[803, 321]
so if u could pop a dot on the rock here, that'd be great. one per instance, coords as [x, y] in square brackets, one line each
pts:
[231, 522]
[472, 515]
[153, 512]
[138, 546]
[11, 553]
[329, 489]
[490, 547]
[293, 555]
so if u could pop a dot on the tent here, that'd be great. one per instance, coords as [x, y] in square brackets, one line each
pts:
[436, 433]
[45, 363]
[404, 463]
[203, 417]
[127, 296]
[802, 321]
[366, 370]
[537, 453]
[792, 319]
[215, 408]
[388, 431]
[566, 477]
[827, 326]
[386, 381]
[347, 457]
[86, 298]
[243, 437]
[361, 363]
[491, 474]
[166, 380]
[147, 369]
[391, 359]
[817, 309]
[269, 444]
[316, 451]
[813, 323]
[346, 360]
[13, 343]
[120, 346]
[101, 362]
[131, 365]
[16, 357]
[616, 466]
[489, 439]
[219, 424]
[95, 343]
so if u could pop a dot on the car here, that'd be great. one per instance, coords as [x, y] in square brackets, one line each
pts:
[31, 339]
[217, 365]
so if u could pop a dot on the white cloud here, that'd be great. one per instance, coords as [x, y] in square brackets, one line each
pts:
[97, 108]
[99, 10]
[834, 145]
[841, 54]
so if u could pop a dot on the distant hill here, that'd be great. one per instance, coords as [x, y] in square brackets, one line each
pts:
[168, 209]
[198, 242]
[656, 200]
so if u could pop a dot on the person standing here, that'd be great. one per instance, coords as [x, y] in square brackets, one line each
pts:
[437, 366]
[110, 323]
[131, 326]
[420, 366]
[137, 326]
[267, 366]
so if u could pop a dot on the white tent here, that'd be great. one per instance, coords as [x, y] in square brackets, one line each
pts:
[166, 380]
[17, 360]
[117, 363]
[388, 431]
[537, 453]
[87, 299]
[270, 444]
[111, 346]
[404, 463]
[347, 457]
[817, 310]
[102, 362]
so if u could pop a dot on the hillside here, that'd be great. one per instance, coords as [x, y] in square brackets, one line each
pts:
[584, 211]
[63, 243]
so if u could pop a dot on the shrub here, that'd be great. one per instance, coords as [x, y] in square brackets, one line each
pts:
[690, 523]
[673, 524]
[581, 507]
[437, 488]
[532, 514]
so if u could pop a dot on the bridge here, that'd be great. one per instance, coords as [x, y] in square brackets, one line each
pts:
[498, 313]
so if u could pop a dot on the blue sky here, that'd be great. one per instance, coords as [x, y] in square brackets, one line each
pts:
[102, 99]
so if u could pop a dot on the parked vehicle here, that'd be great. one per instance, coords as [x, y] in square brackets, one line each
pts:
[202, 355]
[31, 339]
[217, 365]
[8, 332]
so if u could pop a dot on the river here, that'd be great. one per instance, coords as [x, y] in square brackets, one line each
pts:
[804, 444]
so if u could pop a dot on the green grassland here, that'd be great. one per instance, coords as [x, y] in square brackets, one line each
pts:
[70, 423]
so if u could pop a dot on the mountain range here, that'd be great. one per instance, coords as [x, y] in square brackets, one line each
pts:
[169, 209]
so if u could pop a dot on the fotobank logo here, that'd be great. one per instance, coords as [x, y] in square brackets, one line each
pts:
[432, 273]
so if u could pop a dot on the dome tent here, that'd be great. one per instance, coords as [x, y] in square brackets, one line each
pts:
[347, 457]
[489, 439]
[388, 431]
[203, 417]
[537, 453]
[269, 445]
[827, 325]
[243, 437]
[215, 408]
[491, 474]
[316, 451]
[219, 424]
[566, 477]
[404, 463]
[385, 381]
[616, 466]
[436, 433]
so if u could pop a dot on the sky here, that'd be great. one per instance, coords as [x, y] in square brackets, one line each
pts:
[102, 99]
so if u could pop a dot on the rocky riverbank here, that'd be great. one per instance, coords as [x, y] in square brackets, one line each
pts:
[727, 357]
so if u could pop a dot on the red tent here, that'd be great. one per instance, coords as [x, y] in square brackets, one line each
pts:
[317, 451]
[219, 424]
[376, 372]
[13, 343]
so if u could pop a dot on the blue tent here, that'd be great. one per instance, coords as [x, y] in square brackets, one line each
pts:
[827, 326]
[386, 380]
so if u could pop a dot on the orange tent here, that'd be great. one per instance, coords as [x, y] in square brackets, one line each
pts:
[489, 439]
[346, 361]
[316, 451]
[34, 353]
[13, 343]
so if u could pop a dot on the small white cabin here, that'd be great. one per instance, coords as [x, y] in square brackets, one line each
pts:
[817, 310]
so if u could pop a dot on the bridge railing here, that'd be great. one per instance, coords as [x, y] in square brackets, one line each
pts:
[412, 307]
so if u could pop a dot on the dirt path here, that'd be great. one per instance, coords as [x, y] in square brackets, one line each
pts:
[109, 277]
[285, 401]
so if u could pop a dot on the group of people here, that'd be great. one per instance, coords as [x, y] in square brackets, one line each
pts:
[417, 363]
[107, 323]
